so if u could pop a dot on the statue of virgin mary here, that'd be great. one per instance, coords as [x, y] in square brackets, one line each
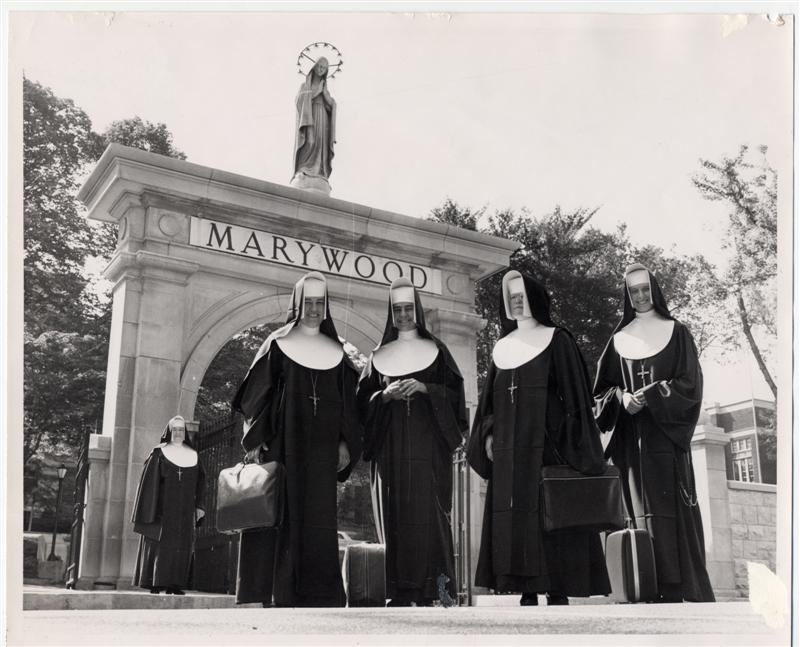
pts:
[316, 131]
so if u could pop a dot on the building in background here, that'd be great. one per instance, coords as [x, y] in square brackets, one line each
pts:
[750, 455]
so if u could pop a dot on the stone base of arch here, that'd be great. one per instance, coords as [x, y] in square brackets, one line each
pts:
[177, 301]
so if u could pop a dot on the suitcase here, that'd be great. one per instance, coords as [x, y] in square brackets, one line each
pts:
[364, 575]
[631, 566]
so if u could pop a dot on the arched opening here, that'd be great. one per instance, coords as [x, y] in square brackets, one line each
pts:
[218, 443]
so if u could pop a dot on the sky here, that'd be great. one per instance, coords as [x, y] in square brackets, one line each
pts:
[504, 111]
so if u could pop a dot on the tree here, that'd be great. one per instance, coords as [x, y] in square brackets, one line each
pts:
[145, 135]
[450, 213]
[62, 372]
[66, 322]
[750, 190]
[58, 142]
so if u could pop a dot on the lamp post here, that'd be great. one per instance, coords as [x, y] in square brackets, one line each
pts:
[62, 472]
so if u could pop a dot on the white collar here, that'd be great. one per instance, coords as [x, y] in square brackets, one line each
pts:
[179, 454]
[307, 347]
[520, 346]
[646, 335]
[407, 354]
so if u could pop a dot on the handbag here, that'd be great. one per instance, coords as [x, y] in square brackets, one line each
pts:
[250, 495]
[571, 500]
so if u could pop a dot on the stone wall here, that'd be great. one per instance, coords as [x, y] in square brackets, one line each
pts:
[753, 539]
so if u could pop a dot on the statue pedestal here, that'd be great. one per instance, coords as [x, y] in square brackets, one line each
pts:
[303, 181]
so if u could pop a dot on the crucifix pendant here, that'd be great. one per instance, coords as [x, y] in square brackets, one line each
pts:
[314, 399]
[512, 388]
[180, 471]
[642, 374]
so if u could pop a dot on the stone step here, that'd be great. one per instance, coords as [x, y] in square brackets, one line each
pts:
[36, 598]
[48, 598]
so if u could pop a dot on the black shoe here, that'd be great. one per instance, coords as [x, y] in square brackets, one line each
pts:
[554, 599]
[175, 592]
[155, 590]
[529, 600]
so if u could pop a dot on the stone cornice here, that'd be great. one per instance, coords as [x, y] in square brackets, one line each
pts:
[753, 487]
[709, 435]
[148, 264]
[99, 448]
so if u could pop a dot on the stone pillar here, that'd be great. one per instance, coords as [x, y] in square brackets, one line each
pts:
[458, 330]
[708, 456]
[96, 489]
[143, 376]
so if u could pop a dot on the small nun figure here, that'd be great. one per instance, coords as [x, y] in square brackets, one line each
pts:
[166, 510]
[411, 398]
[649, 391]
[535, 409]
[298, 401]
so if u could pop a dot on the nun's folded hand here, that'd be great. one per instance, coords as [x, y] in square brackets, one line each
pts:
[633, 403]
[393, 391]
[411, 386]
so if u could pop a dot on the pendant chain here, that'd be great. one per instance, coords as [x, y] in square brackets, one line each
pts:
[313, 397]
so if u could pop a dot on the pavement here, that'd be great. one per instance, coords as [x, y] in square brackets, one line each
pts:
[503, 622]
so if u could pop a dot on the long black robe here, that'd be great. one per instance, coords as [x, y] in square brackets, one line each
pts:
[411, 446]
[276, 400]
[164, 516]
[652, 450]
[549, 422]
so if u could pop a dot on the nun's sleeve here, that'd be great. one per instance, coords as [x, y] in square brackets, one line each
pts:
[482, 428]
[448, 402]
[608, 390]
[146, 514]
[350, 431]
[675, 403]
[372, 411]
[256, 398]
[577, 440]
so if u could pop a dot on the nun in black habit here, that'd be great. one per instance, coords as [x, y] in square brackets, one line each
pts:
[298, 401]
[535, 409]
[411, 398]
[649, 391]
[166, 510]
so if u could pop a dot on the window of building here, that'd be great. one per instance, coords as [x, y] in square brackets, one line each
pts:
[742, 455]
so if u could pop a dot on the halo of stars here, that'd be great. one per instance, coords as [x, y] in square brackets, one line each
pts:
[311, 53]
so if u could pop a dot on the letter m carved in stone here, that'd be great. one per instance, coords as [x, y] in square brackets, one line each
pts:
[226, 236]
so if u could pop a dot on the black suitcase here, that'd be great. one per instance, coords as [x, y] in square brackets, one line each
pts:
[364, 575]
[631, 566]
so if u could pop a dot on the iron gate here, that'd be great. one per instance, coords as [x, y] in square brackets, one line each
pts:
[215, 554]
[461, 527]
[79, 503]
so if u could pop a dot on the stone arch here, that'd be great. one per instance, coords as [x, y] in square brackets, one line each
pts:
[359, 330]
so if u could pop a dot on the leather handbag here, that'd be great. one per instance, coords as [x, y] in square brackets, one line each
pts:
[250, 495]
[571, 500]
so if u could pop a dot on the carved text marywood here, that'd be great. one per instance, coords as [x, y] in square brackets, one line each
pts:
[309, 255]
